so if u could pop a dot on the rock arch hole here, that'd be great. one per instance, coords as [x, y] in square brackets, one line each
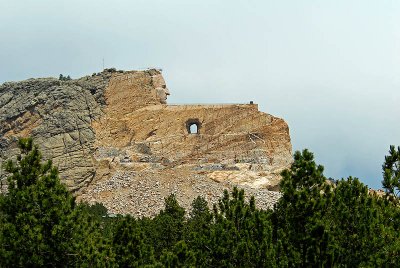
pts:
[193, 129]
[193, 126]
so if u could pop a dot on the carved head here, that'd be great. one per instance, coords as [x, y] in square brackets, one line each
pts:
[161, 88]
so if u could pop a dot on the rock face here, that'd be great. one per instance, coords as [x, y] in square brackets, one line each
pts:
[58, 115]
[116, 141]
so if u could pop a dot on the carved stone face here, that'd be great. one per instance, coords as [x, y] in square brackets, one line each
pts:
[161, 88]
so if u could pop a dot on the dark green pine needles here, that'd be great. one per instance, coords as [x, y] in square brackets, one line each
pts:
[316, 223]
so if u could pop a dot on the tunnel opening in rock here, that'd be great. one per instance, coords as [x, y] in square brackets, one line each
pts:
[193, 129]
[193, 126]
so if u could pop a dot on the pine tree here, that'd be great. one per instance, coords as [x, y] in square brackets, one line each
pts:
[360, 234]
[197, 231]
[299, 227]
[37, 212]
[180, 256]
[391, 173]
[41, 224]
[241, 235]
[129, 244]
[166, 229]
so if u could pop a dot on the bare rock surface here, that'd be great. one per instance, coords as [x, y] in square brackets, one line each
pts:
[58, 115]
[143, 193]
[116, 141]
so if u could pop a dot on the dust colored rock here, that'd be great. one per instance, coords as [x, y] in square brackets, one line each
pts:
[116, 140]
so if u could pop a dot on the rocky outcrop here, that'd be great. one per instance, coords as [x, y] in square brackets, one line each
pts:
[116, 141]
[58, 115]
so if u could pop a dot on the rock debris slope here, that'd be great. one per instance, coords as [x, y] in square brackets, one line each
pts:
[116, 141]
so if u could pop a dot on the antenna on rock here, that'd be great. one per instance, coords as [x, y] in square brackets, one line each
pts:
[103, 63]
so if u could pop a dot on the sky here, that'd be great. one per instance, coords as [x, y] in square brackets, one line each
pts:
[331, 69]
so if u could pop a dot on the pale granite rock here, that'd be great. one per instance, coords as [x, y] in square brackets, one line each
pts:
[116, 141]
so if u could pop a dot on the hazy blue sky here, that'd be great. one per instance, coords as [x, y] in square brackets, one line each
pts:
[331, 69]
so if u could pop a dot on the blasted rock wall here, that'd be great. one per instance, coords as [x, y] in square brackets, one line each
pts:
[58, 115]
[116, 141]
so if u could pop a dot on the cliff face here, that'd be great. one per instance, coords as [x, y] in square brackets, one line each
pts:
[58, 115]
[116, 141]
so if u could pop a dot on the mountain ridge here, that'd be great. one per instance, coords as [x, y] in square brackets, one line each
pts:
[116, 128]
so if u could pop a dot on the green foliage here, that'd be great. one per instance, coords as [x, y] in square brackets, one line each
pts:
[98, 213]
[129, 244]
[180, 256]
[200, 213]
[322, 225]
[168, 226]
[356, 220]
[41, 224]
[97, 210]
[64, 78]
[241, 234]
[89, 243]
[198, 230]
[298, 216]
[314, 224]
[37, 212]
[391, 172]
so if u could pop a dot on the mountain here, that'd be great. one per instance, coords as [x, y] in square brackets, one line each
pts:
[115, 140]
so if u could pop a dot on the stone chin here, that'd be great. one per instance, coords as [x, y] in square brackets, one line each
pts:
[162, 91]
[162, 94]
